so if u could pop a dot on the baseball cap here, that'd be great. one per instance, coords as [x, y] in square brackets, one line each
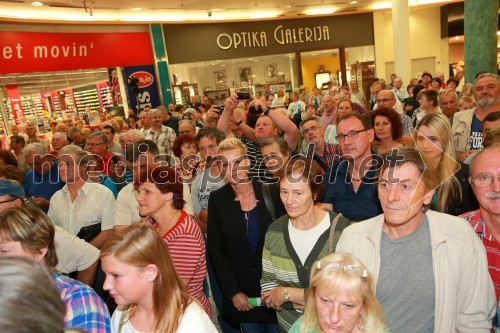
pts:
[12, 188]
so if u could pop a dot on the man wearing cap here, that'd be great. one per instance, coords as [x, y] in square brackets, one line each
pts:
[74, 254]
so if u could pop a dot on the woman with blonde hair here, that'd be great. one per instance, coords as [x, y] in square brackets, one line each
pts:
[142, 279]
[433, 138]
[340, 298]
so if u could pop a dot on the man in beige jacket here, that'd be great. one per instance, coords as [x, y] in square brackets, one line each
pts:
[430, 269]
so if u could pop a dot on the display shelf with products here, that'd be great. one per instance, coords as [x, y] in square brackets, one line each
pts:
[87, 96]
[218, 96]
[105, 95]
[183, 92]
[286, 86]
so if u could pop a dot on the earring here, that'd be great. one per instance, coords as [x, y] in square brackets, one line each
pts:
[361, 324]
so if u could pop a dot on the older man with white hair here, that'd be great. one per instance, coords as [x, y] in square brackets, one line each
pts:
[59, 140]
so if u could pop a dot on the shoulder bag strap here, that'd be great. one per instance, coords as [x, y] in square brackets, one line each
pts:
[332, 233]
[268, 200]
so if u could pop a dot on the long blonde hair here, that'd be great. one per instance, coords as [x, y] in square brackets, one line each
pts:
[358, 283]
[140, 245]
[449, 186]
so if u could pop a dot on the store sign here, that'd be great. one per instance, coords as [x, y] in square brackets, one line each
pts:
[230, 40]
[25, 52]
[144, 91]
[15, 103]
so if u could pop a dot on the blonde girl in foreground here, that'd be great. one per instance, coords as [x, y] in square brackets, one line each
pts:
[150, 295]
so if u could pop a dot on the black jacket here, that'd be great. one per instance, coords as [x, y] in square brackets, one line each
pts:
[237, 270]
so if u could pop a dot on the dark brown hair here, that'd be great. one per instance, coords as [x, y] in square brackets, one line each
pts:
[394, 119]
[166, 180]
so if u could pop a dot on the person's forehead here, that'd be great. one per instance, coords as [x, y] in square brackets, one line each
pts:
[350, 123]
[206, 140]
[487, 161]
[385, 94]
[310, 124]
[94, 139]
[406, 172]
[264, 120]
[448, 97]
[487, 81]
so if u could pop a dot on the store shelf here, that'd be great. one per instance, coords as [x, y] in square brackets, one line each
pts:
[87, 97]
[218, 96]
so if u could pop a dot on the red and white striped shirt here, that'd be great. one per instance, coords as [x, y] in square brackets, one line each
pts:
[491, 245]
[187, 249]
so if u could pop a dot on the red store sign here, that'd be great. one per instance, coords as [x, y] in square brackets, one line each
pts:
[26, 52]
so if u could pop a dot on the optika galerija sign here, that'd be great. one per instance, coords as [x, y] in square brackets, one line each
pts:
[252, 39]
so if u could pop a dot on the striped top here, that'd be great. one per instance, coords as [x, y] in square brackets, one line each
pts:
[491, 245]
[187, 249]
[258, 170]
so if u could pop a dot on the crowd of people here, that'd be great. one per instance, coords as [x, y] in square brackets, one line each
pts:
[329, 210]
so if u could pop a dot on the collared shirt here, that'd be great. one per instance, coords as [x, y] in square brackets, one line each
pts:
[328, 119]
[84, 308]
[331, 155]
[355, 205]
[491, 245]
[94, 204]
[164, 139]
[43, 186]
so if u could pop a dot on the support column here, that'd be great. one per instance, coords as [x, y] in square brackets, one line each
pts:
[401, 33]
[480, 30]
[161, 65]
[378, 38]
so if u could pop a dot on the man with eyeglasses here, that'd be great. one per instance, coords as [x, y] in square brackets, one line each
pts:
[429, 269]
[349, 184]
[314, 134]
[187, 126]
[485, 181]
[97, 144]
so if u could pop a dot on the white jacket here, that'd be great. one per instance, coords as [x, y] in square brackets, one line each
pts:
[462, 122]
[465, 298]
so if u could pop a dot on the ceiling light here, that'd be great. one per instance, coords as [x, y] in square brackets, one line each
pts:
[457, 38]
[382, 5]
[353, 2]
[37, 4]
[136, 9]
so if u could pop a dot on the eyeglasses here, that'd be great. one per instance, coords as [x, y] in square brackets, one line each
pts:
[483, 180]
[90, 144]
[349, 269]
[310, 129]
[351, 135]
[385, 100]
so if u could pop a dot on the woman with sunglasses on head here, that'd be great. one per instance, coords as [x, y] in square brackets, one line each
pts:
[238, 217]
[142, 279]
[296, 240]
[340, 298]
[454, 194]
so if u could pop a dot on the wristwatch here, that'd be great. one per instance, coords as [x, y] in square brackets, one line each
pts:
[266, 112]
[286, 295]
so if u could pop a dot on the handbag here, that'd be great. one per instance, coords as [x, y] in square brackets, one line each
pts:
[88, 233]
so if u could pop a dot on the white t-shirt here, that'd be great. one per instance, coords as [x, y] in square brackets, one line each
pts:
[303, 241]
[194, 320]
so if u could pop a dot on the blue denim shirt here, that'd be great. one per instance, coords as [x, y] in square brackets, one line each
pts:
[356, 206]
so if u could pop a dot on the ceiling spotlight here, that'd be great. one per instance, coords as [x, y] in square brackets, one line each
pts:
[136, 9]
[353, 2]
[37, 4]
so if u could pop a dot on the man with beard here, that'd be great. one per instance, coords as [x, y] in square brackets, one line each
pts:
[466, 129]
[485, 181]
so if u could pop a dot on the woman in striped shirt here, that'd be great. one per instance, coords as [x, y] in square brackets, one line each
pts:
[161, 200]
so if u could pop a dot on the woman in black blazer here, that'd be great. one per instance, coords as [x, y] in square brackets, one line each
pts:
[237, 225]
